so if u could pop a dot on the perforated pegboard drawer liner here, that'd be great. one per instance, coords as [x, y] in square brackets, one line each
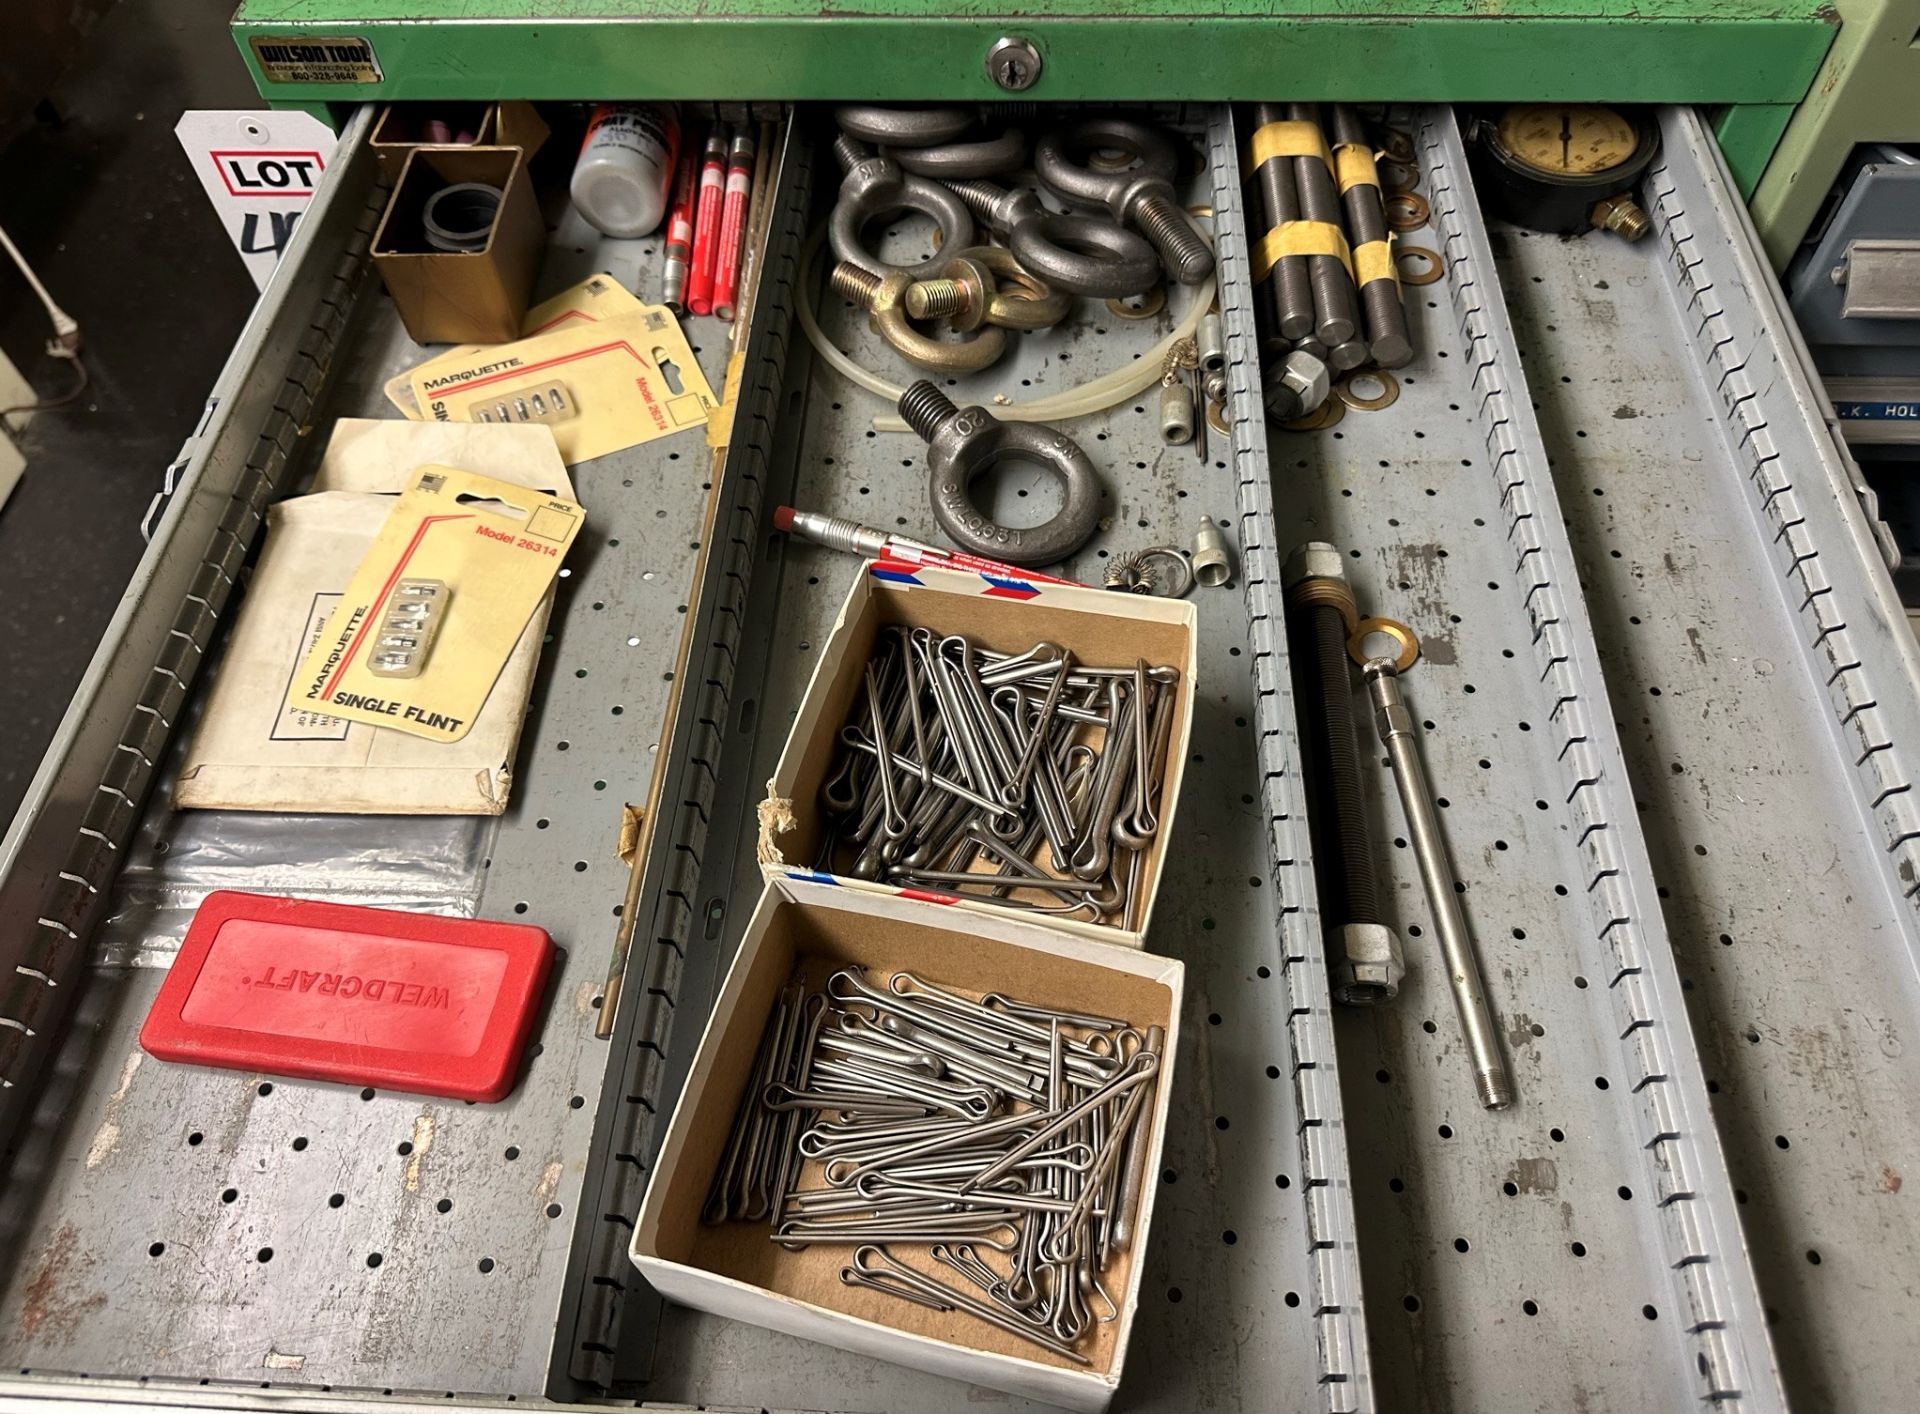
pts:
[1704, 1249]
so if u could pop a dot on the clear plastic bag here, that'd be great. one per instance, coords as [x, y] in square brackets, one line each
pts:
[421, 863]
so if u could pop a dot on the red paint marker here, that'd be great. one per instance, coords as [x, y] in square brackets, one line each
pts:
[673, 290]
[733, 226]
[859, 539]
[706, 222]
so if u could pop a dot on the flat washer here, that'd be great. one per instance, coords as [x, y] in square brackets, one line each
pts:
[1388, 395]
[1435, 268]
[1407, 210]
[1152, 301]
[1217, 419]
[1406, 643]
[1385, 162]
[1320, 419]
[1398, 144]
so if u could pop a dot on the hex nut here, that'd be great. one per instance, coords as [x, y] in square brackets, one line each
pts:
[1314, 560]
[1369, 964]
[1297, 386]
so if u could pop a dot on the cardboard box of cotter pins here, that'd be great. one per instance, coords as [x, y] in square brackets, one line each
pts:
[801, 938]
[1003, 615]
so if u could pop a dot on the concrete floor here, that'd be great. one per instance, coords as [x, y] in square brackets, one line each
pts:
[99, 197]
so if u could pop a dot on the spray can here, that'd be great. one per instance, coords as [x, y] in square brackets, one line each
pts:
[621, 179]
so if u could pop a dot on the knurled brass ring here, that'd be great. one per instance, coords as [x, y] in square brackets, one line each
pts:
[1334, 593]
[1434, 268]
[1152, 301]
[1407, 210]
[1320, 419]
[1406, 642]
[1202, 211]
[1388, 395]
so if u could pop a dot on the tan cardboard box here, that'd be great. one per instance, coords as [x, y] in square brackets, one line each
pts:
[1009, 616]
[401, 127]
[461, 297]
[734, 1270]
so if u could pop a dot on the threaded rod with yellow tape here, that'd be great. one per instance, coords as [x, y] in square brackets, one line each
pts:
[1287, 295]
[1334, 320]
[1384, 318]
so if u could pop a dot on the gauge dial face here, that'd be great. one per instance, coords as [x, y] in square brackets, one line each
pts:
[1567, 140]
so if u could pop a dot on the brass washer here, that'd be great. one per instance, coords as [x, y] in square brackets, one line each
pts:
[1151, 303]
[1217, 419]
[1435, 268]
[1386, 162]
[1397, 144]
[1407, 210]
[1388, 395]
[1320, 419]
[1407, 641]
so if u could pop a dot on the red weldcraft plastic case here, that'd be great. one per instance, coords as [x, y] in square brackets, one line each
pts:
[364, 996]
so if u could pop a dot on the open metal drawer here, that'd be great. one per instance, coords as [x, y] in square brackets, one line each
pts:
[1589, 1237]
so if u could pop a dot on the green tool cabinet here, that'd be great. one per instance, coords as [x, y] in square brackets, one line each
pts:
[1754, 57]
[1674, 714]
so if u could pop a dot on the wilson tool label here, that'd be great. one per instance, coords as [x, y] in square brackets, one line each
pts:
[296, 59]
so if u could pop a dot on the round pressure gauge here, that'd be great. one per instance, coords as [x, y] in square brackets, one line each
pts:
[1566, 139]
[1561, 167]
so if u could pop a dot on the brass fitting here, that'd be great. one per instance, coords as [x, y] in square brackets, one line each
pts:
[1622, 215]
[987, 285]
[884, 297]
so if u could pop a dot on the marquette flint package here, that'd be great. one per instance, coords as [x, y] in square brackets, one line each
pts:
[493, 548]
[593, 299]
[602, 386]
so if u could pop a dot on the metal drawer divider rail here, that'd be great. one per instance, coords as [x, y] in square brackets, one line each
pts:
[466, 1250]
[1223, 1323]
[1762, 672]
[59, 858]
[1683, 1159]
[1326, 1189]
[1680, 1230]
[1829, 563]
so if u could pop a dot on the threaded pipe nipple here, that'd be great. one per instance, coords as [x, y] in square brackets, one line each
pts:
[926, 409]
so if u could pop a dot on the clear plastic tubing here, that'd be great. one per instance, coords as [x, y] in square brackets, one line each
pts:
[623, 177]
